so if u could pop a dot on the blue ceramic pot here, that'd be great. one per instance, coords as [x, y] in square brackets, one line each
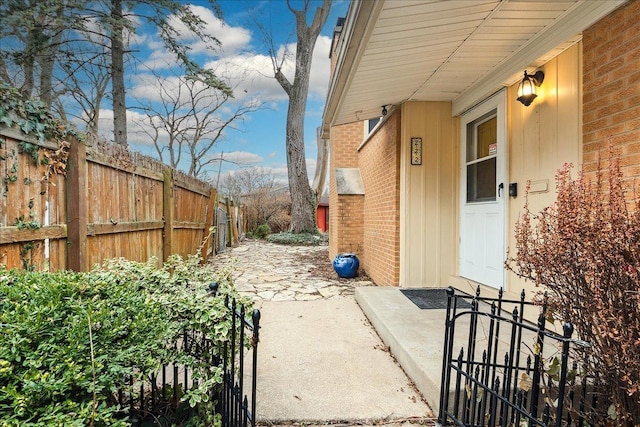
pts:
[346, 265]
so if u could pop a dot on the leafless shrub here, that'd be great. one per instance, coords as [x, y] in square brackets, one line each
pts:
[583, 252]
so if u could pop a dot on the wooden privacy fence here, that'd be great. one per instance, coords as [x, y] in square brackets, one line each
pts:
[111, 203]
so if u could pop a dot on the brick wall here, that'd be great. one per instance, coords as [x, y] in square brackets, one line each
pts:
[349, 214]
[611, 87]
[380, 168]
[345, 218]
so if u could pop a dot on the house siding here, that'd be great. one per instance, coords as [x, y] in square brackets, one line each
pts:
[429, 196]
[541, 139]
[612, 90]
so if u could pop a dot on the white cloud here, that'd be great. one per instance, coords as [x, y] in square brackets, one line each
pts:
[249, 73]
[278, 172]
[159, 59]
[320, 68]
[231, 38]
[136, 138]
[252, 73]
[238, 157]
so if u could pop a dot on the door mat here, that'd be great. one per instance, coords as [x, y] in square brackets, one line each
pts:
[432, 299]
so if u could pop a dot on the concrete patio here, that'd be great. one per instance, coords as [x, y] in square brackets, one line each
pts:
[414, 336]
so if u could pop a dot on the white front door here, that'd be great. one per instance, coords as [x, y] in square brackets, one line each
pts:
[483, 192]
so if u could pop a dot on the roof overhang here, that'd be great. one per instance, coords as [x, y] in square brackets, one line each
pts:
[461, 51]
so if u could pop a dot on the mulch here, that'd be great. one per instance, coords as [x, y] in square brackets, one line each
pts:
[323, 267]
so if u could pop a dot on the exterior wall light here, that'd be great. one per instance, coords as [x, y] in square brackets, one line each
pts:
[527, 88]
[384, 110]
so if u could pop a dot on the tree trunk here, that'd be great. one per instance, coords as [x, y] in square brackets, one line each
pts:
[47, 57]
[322, 164]
[117, 75]
[303, 198]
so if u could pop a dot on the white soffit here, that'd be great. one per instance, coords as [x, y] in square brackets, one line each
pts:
[448, 50]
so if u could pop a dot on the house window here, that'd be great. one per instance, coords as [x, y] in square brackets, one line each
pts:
[371, 124]
[481, 159]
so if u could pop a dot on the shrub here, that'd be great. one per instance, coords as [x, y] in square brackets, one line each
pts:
[584, 254]
[68, 340]
[302, 239]
[262, 231]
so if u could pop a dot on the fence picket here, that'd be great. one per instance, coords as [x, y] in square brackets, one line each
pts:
[112, 203]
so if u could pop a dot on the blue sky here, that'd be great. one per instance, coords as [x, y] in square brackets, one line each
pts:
[243, 58]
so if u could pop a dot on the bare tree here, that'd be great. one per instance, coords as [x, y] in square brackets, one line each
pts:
[265, 200]
[303, 197]
[189, 118]
[322, 164]
[88, 77]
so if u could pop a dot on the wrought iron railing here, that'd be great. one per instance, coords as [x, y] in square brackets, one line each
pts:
[158, 398]
[509, 371]
[234, 406]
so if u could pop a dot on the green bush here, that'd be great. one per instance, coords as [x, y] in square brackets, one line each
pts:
[68, 340]
[301, 239]
[262, 231]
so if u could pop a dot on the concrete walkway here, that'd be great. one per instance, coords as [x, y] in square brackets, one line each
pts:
[320, 360]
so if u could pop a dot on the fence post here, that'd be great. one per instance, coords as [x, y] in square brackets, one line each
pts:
[234, 227]
[568, 331]
[211, 206]
[446, 358]
[77, 169]
[537, 369]
[254, 374]
[229, 227]
[168, 212]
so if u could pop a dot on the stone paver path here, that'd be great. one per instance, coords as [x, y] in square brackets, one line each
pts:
[271, 272]
[320, 361]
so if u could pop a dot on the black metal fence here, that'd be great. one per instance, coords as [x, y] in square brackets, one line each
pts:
[158, 399]
[508, 371]
[233, 404]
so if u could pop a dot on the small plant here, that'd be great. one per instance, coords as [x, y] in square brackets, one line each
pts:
[584, 254]
[262, 231]
[29, 224]
[33, 118]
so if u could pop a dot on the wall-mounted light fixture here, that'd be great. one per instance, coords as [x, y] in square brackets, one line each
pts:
[384, 110]
[527, 88]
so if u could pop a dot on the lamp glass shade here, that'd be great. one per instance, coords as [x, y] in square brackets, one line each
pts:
[527, 90]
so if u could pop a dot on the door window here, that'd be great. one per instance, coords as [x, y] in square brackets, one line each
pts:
[482, 149]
